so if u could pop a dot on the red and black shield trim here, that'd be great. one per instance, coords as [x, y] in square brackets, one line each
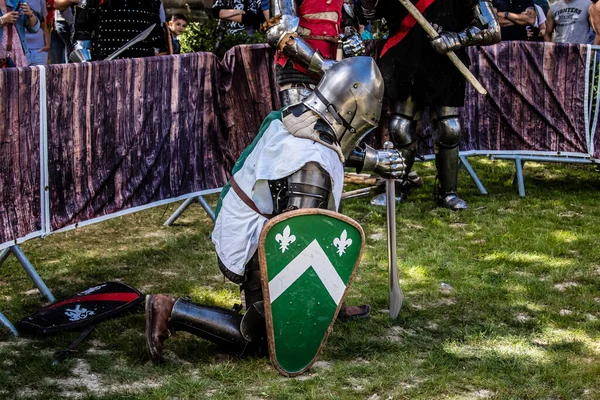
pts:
[405, 27]
[85, 308]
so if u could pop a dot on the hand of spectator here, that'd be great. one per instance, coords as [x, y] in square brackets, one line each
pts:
[45, 49]
[25, 9]
[503, 19]
[532, 32]
[9, 17]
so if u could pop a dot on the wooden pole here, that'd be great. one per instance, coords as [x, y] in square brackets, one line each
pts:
[430, 30]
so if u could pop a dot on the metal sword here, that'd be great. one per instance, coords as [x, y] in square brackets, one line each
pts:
[396, 296]
[430, 30]
[142, 36]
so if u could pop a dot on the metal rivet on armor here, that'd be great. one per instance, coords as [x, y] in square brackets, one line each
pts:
[355, 85]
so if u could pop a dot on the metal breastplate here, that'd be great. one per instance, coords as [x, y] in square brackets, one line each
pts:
[121, 21]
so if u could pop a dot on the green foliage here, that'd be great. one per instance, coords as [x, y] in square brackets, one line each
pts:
[199, 36]
[208, 36]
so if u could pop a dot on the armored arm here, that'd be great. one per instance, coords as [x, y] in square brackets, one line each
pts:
[282, 34]
[385, 163]
[484, 30]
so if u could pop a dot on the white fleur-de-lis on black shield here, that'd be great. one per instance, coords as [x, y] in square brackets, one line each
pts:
[342, 243]
[286, 239]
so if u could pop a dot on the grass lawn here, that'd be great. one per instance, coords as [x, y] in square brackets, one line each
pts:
[501, 301]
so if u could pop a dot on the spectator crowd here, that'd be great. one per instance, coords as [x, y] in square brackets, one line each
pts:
[39, 32]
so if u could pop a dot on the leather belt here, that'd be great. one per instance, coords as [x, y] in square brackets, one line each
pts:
[247, 200]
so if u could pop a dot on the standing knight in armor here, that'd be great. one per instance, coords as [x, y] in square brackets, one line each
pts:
[306, 34]
[417, 74]
[296, 161]
[104, 26]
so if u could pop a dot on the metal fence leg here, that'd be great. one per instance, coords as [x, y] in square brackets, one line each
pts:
[188, 202]
[4, 321]
[179, 211]
[4, 255]
[207, 208]
[519, 175]
[35, 277]
[474, 177]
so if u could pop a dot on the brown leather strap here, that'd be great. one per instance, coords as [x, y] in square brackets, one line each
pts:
[246, 199]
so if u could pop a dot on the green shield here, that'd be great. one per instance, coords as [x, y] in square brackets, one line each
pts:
[307, 260]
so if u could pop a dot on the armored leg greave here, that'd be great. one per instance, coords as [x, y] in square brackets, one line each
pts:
[251, 287]
[402, 126]
[446, 127]
[447, 130]
[402, 130]
[241, 334]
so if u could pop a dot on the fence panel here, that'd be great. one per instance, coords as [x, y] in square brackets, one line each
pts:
[20, 209]
[535, 101]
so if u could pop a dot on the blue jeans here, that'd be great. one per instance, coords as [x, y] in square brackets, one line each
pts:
[60, 43]
[38, 57]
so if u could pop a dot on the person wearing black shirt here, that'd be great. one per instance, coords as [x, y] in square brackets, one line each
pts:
[102, 27]
[514, 16]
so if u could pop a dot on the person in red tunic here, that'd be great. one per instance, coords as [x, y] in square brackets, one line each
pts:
[307, 35]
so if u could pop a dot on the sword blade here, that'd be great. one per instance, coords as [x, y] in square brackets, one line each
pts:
[142, 36]
[353, 194]
[395, 293]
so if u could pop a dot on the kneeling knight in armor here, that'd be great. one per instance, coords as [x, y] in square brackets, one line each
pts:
[296, 162]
